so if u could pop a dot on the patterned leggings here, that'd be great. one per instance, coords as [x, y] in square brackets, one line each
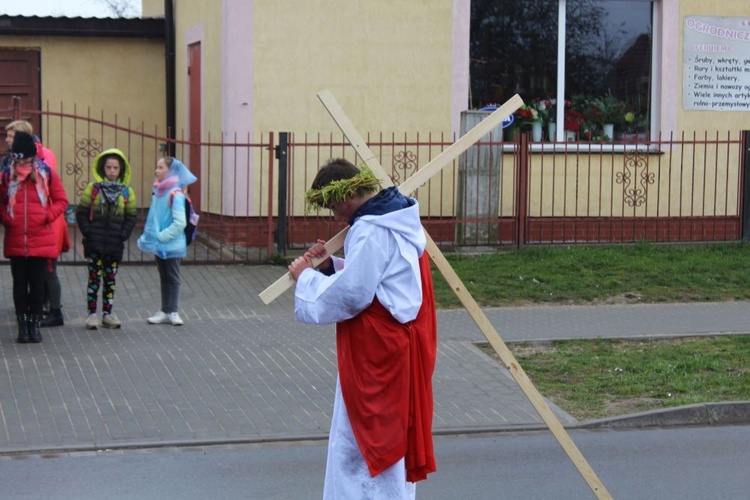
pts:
[101, 268]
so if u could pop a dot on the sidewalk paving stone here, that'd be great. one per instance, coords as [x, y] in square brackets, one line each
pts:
[241, 371]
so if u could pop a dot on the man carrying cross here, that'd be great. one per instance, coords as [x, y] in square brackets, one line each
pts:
[380, 296]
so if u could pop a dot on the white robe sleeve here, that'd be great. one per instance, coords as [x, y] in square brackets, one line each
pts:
[321, 299]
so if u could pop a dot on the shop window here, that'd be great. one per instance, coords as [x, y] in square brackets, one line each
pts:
[603, 67]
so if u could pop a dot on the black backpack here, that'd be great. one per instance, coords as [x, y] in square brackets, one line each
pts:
[191, 228]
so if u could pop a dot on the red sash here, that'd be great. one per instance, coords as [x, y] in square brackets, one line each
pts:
[385, 370]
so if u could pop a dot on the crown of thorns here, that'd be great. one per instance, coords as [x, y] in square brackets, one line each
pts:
[338, 191]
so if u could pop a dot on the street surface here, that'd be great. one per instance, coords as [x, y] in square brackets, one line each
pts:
[694, 463]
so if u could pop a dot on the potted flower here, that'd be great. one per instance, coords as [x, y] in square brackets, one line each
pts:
[634, 126]
[573, 123]
[552, 119]
[546, 110]
[528, 114]
[608, 109]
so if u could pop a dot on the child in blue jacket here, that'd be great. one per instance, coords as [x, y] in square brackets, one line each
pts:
[164, 236]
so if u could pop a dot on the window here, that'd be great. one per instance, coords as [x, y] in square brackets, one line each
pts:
[603, 68]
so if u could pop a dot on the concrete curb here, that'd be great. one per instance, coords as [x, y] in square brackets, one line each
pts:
[704, 414]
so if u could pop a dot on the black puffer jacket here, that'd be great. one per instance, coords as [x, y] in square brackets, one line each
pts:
[107, 221]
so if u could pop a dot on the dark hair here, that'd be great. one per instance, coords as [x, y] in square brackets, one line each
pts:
[103, 161]
[334, 170]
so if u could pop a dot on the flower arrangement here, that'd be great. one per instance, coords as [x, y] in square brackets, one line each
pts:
[633, 122]
[574, 120]
[608, 109]
[546, 109]
[527, 114]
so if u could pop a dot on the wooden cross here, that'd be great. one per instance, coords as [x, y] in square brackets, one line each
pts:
[476, 313]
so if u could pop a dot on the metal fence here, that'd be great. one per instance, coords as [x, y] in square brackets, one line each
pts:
[674, 189]
[251, 189]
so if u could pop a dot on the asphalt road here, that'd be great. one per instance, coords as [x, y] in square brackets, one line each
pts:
[692, 463]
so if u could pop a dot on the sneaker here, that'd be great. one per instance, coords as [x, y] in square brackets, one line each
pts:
[175, 320]
[110, 321]
[158, 318]
[92, 322]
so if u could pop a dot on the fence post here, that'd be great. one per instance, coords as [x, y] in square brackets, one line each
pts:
[16, 108]
[745, 156]
[522, 152]
[478, 188]
[282, 154]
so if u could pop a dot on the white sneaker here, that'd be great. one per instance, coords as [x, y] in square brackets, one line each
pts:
[92, 322]
[175, 320]
[110, 321]
[158, 318]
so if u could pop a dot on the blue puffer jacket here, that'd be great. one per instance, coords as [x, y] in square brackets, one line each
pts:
[163, 235]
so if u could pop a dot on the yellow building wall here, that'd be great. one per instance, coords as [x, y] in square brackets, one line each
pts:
[110, 80]
[85, 71]
[388, 63]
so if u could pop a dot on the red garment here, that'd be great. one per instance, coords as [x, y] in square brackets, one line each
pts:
[60, 225]
[46, 155]
[62, 236]
[29, 233]
[385, 370]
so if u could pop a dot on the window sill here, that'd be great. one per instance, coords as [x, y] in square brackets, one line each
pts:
[587, 147]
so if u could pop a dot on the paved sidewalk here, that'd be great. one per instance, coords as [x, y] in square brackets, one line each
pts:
[240, 371]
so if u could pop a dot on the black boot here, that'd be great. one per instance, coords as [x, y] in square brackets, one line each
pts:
[54, 318]
[23, 331]
[35, 335]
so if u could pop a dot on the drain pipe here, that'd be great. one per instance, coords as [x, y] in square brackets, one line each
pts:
[169, 56]
[745, 166]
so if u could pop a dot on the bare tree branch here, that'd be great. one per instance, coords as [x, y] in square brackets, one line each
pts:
[121, 8]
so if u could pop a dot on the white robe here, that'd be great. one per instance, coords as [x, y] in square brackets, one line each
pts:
[347, 476]
[382, 259]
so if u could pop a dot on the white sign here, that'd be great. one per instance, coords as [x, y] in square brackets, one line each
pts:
[716, 63]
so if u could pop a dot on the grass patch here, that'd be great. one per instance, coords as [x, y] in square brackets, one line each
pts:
[600, 378]
[639, 273]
